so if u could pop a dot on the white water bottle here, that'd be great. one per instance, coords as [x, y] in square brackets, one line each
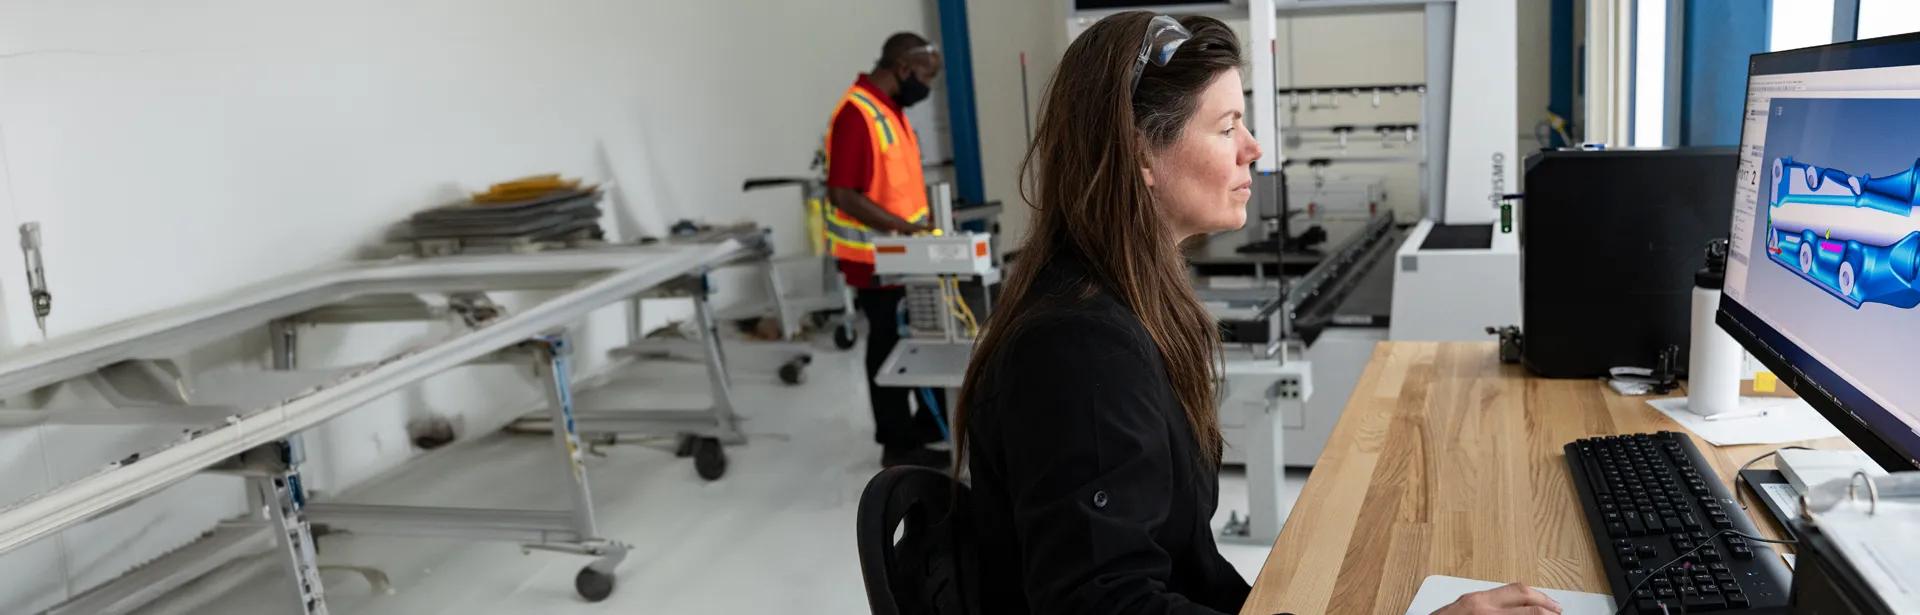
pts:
[1714, 360]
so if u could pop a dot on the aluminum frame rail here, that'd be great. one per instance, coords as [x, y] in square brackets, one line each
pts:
[592, 279]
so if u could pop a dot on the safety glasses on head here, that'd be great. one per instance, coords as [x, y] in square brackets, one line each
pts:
[1164, 36]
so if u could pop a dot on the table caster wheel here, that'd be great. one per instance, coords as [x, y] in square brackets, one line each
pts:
[593, 584]
[709, 460]
[844, 336]
[794, 372]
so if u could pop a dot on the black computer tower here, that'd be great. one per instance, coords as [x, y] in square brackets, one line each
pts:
[1609, 243]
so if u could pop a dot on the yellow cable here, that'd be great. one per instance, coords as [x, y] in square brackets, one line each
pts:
[952, 308]
[965, 312]
[959, 316]
[973, 328]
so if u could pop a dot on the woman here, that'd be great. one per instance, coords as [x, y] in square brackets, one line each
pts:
[1089, 418]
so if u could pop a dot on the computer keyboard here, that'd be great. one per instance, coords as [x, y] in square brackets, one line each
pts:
[1651, 499]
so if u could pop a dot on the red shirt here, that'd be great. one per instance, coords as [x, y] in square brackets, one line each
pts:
[850, 164]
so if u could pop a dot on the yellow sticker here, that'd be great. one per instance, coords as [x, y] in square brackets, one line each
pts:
[1764, 382]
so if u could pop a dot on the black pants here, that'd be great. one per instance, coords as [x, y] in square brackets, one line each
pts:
[895, 423]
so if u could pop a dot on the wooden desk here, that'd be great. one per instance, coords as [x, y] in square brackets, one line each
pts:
[1447, 462]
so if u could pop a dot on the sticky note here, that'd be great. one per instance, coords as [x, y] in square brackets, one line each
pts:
[1764, 382]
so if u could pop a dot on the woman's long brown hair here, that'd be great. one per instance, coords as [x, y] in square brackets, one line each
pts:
[1082, 177]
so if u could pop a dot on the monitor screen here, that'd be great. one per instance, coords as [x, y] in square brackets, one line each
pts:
[1823, 268]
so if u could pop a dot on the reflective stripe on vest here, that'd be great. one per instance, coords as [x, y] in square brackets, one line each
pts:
[897, 184]
[852, 240]
[872, 110]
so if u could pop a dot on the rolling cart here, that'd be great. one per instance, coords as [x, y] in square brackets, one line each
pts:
[834, 302]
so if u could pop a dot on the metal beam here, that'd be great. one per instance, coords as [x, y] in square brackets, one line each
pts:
[643, 421]
[522, 526]
[181, 328]
[1673, 103]
[1436, 108]
[1846, 20]
[184, 416]
[374, 308]
[42, 515]
[1266, 104]
[227, 542]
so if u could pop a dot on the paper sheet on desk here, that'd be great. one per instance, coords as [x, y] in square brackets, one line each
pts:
[1788, 419]
[1440, 590]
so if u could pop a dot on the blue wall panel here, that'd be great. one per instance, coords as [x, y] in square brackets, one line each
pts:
[962, 119]
[1720, 36]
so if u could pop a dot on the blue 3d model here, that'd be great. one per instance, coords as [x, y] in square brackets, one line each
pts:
[1855, 236]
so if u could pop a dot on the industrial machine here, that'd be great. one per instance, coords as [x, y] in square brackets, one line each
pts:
[940, 254]
[1333, 315]
[1295, 348]
[937, 270]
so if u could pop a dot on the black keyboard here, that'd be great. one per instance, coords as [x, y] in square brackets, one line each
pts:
[1650, 498]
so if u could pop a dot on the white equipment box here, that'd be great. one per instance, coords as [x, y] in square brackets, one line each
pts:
[955, 254]
[1454, 293]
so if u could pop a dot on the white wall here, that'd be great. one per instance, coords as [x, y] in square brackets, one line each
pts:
[1000, 30]
[172, 150]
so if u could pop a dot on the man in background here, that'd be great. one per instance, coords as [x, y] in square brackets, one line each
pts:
[875, 184]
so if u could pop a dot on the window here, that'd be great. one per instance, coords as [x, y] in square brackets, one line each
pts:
[1649, 73]
[1804, 23]
[1888, 17]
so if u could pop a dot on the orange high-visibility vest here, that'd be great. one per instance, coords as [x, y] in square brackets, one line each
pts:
[897, 185]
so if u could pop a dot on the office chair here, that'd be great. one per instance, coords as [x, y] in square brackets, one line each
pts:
[929, 570]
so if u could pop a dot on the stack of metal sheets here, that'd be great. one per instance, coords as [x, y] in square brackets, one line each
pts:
[564, 216]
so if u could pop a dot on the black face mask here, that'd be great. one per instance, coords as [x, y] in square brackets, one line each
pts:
[912, 91]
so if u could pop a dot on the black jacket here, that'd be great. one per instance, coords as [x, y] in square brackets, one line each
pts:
[1090, 494]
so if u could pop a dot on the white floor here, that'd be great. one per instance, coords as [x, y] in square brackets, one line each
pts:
[775, 534]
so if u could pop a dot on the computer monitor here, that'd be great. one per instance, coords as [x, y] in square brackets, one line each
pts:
[1823, 268]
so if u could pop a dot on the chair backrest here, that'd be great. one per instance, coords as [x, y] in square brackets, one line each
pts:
[933, 568]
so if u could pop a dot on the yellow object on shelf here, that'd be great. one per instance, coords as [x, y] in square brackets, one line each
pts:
[817, 225]
[525, 188]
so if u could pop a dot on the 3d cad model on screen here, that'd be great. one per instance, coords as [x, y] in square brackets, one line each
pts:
[1855, 236]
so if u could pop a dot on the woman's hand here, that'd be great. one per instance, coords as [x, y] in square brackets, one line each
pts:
[1509, 599]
